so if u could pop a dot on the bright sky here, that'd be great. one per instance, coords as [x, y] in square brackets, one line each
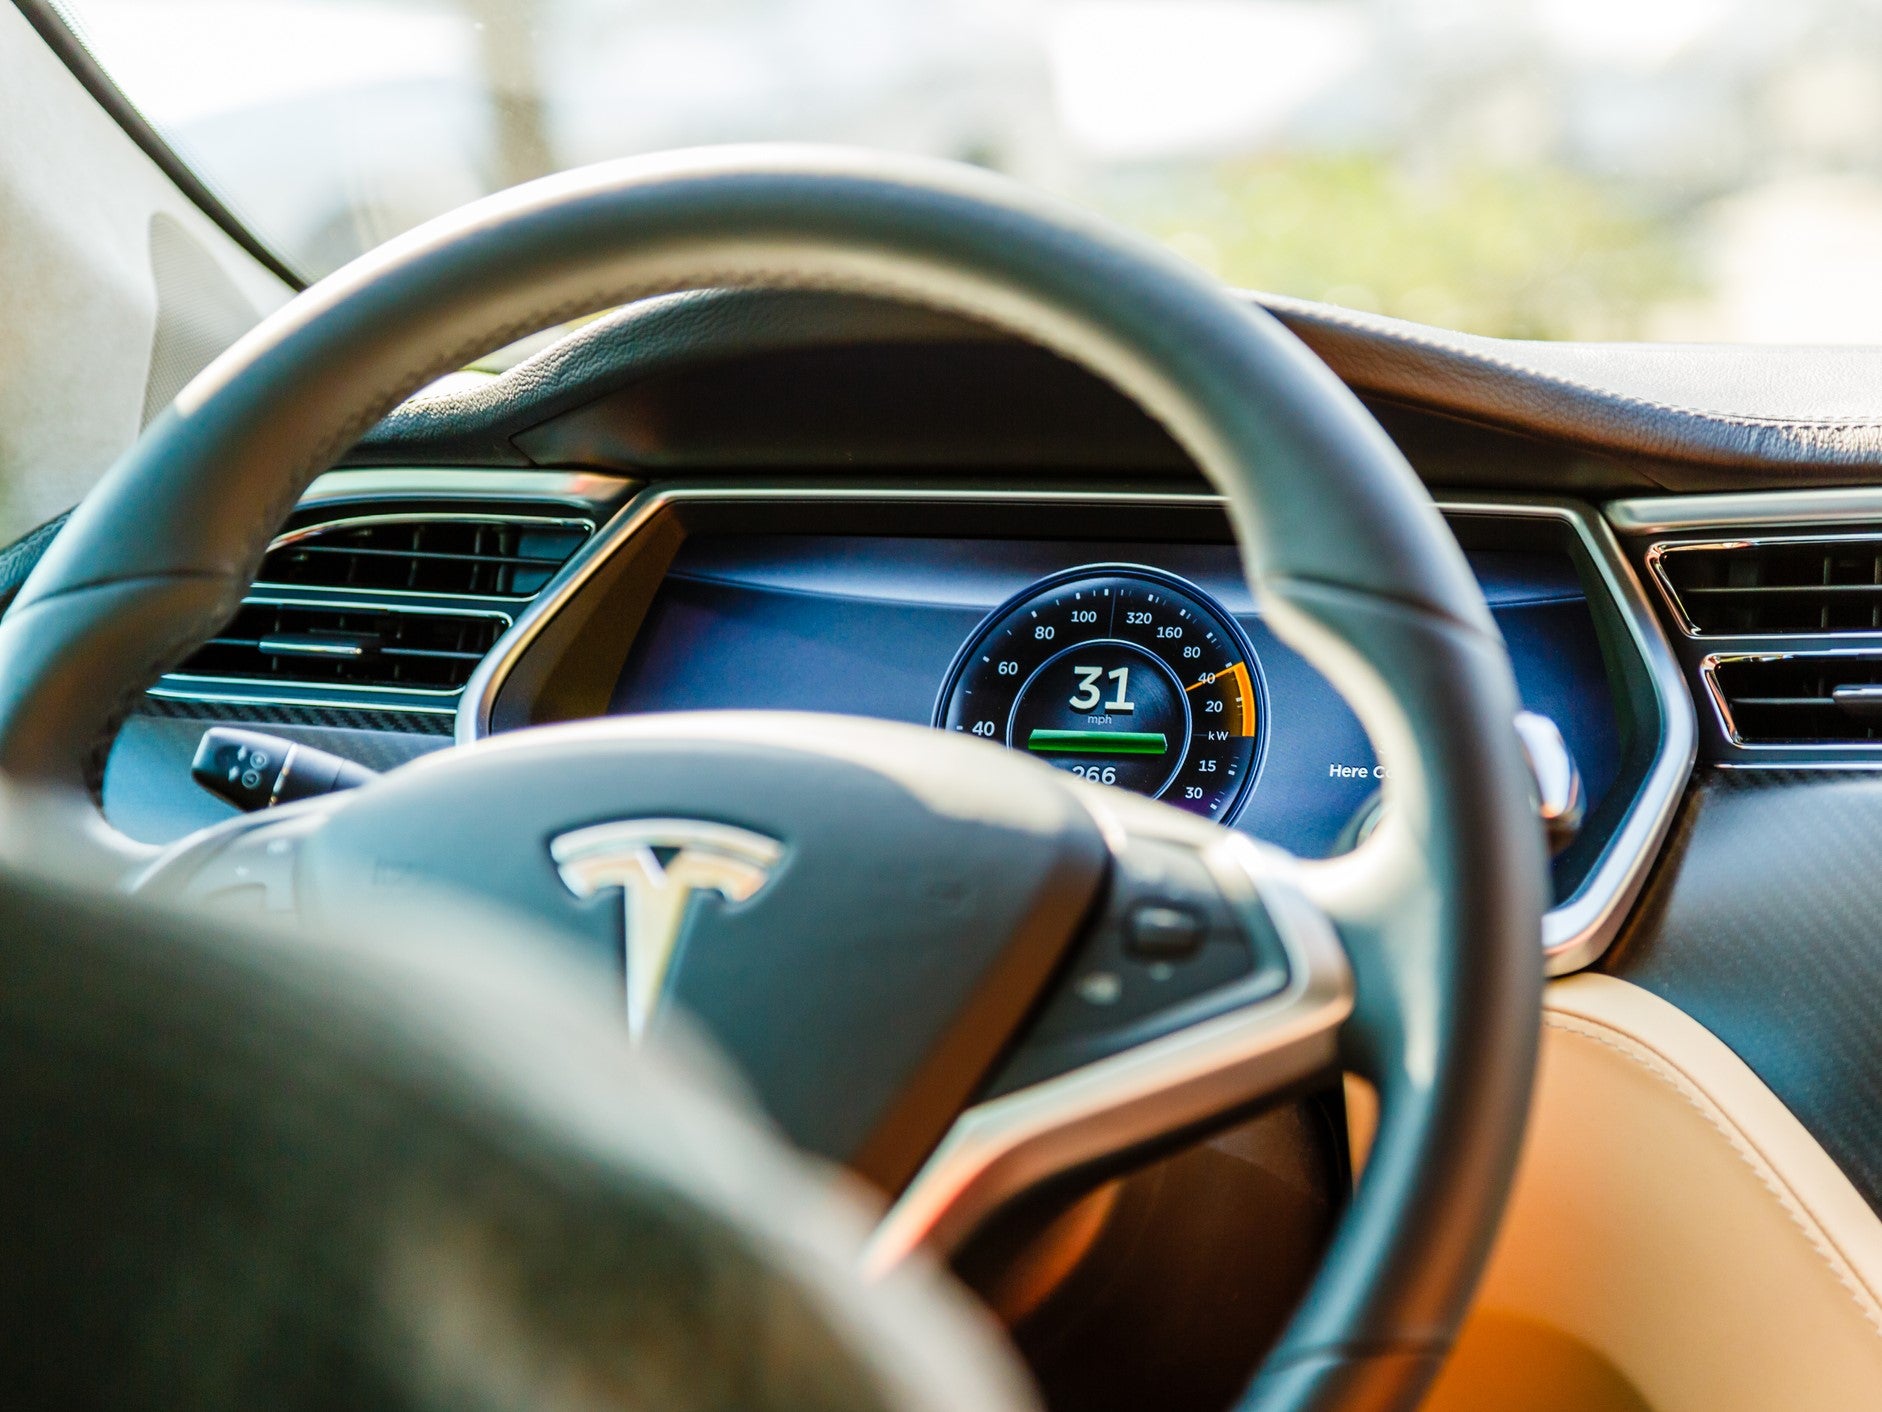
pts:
[1754, 138]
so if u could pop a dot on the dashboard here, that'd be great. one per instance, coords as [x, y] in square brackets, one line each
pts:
[797, 503]
[1108, 633]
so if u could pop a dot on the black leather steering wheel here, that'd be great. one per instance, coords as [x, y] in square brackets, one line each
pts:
[1414, 961]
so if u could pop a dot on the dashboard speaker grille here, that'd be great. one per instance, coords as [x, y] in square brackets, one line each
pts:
[470, 556]
[1776, 586]
[1801, 699]
[321, 645]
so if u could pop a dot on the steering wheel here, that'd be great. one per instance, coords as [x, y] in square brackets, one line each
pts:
[912, 905]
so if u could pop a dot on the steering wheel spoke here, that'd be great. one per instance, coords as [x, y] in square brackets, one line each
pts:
[1207, 986]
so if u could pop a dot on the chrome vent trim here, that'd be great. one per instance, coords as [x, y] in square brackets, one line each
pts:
[1797, 700]
[1826, 585]
[1764, 715]
[431, 555]
[392, 607]
[1752, 512]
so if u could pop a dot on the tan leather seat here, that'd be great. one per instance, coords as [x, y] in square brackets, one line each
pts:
[1678, 1241]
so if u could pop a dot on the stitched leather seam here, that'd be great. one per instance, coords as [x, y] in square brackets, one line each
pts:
[1395, 339]
[1747, 1152]
[1385, 343]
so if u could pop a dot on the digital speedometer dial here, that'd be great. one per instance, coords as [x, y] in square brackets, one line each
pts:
[1121, 674]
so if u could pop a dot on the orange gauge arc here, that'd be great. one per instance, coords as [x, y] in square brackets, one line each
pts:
[1243, 684]
[1247, 689]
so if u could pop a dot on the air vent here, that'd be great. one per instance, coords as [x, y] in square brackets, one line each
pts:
[348, 646]
[472, 556]
[1798, 586]
[406, 600]
[1800, 698]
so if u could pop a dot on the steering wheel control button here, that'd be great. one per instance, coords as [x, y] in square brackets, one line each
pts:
[1099, 988]
[1162, 931]
[250, 868]
[1178, 940]
[254, 771]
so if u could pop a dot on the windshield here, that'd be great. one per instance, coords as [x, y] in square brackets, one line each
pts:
[1655, 169]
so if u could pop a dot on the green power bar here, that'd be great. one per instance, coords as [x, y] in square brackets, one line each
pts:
[1098, 742]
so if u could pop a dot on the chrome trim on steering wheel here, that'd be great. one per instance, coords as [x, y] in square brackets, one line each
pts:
[1006, 1146]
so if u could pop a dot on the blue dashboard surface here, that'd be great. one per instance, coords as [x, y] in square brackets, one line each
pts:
[867, 626]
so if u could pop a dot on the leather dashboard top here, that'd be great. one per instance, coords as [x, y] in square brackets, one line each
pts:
[1814, 412]
[1589, 417]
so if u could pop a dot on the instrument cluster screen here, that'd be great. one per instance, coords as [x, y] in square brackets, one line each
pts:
[1148, 666]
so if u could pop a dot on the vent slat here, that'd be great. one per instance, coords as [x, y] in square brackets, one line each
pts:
[427, 555]
[416, 651]
[432, 653]
[465, 556]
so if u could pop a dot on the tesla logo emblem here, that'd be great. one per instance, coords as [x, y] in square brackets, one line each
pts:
[659, 865]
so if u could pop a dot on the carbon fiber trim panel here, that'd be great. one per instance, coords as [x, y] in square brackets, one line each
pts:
[347, 717]
[1764, 923]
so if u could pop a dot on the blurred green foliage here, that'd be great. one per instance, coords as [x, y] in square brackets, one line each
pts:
[1530, 252]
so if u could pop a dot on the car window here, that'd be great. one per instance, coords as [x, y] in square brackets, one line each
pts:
[1675, 169]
